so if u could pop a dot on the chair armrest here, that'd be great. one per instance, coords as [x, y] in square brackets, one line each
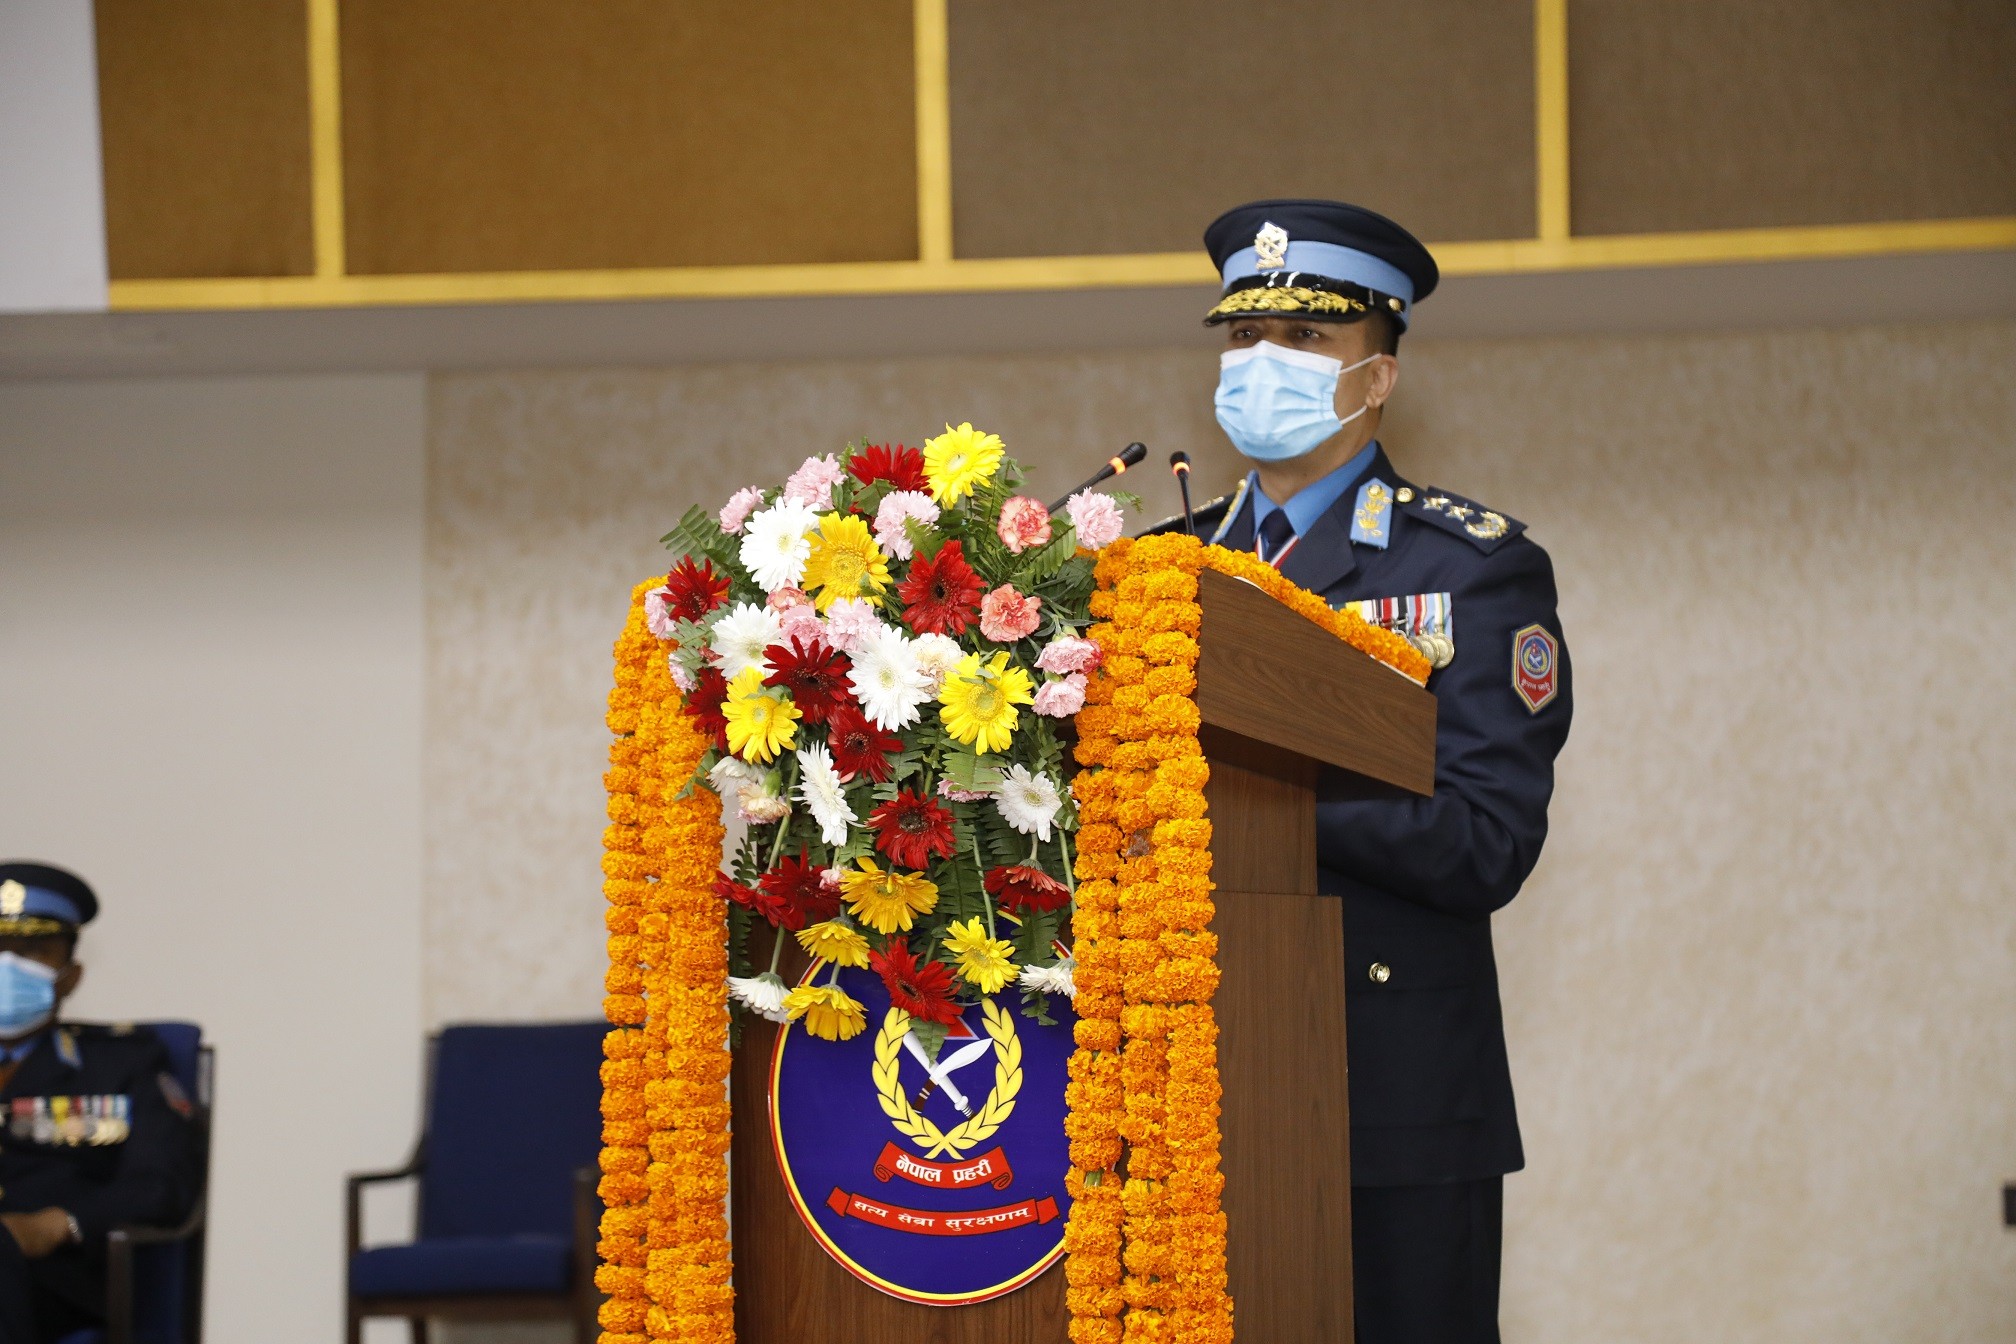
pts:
[587, 1235]
[353, 1194]
[119, 1244]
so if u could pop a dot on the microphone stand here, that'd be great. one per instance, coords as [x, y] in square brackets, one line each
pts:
[1129, 456]
[1180, 464]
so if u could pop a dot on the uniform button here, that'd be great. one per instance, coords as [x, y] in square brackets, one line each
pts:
[1380, 972]
[1405, 494]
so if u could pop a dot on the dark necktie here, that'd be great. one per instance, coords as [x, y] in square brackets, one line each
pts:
[1275, 532]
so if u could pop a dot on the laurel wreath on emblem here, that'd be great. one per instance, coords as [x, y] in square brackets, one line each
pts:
[917, 1127]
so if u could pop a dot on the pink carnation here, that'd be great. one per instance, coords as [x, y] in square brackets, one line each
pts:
[802, 623]
[812, 484]
[682, 678]
[1024, 523]
[945, 790]
[1006, 615]
[849, 621]
[739, 506]
[1061, 699]
[1068, 653]
[783, 599]
[891, 514]
[658, 612]
[1096, 518]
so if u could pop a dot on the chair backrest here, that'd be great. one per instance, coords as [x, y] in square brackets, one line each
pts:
[168, 1279]
[512, 1112]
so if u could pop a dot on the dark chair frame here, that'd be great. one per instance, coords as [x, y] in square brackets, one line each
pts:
[580, 1304]
[121, 1242]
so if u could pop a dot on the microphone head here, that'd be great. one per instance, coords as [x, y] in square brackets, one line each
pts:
[1180, 463]
[1134, 454]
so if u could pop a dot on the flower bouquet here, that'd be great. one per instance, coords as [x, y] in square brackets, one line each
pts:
[883, 656]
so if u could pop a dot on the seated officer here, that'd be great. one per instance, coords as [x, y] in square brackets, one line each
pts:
[94, 1130]
[1316, 297]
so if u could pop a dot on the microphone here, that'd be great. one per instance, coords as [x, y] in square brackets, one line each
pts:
[1180, 464]
[1130, 456]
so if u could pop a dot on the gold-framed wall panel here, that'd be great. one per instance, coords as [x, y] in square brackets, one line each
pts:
[547, 135]
[203, 129]
[1728, 114]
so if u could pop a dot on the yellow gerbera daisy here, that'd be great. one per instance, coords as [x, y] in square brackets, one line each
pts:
[887, 902]
[830, 1012]
[977, 704]
[834, 941]
[762, 721]
[958, 460]
[986, 962]
[845, 561]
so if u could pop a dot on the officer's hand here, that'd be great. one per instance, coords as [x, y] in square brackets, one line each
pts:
[40, 1232]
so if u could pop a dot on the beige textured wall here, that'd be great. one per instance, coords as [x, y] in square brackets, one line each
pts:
[1762, 989]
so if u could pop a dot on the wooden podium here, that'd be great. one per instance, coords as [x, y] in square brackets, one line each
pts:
[1280, 699]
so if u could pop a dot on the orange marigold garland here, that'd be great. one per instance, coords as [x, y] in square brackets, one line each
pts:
[664, 1240]
[1146, 1241]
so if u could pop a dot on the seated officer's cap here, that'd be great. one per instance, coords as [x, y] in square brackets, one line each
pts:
[37, 900]
[1324, 259]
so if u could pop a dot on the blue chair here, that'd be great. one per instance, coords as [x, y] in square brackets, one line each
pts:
[154, 1275]
[506, 1165]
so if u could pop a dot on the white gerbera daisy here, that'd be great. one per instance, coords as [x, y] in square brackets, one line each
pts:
[741, 636]
[888, 680]
[731, 775]
[762, 994]
[819, 788]
[777, 542]
[937, 654]
[1027, 802]
[1058, 979]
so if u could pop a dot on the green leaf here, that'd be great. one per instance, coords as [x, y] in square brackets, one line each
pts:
[1036, 1006]
[930, 1035]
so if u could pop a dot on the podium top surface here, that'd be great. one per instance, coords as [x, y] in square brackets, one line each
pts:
[1270, 675]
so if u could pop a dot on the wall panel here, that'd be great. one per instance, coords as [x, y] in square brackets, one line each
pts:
[203, 107]
[1716, 114]
[1128, 126]
[550, 135]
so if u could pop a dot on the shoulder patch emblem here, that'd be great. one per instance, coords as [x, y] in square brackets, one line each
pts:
[1484, 528]
[1535, 675]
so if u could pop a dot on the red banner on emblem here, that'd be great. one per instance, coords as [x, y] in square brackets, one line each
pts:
[990, 1168]
[936, 1223]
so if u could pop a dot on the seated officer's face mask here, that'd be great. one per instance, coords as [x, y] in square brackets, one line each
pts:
[27, 995]
[1275, 403]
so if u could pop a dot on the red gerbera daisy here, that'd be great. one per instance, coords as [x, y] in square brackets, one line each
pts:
[859, 747]
[910, 828]
[815, 674]
[799, 889]
[922, 991]
[763, 903]
[902, 467]
[1021, 889]
[704, 704]
[941, 595]
[691, 591]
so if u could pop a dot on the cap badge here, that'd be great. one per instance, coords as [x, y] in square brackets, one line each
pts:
[13, 897]
[1271, 243]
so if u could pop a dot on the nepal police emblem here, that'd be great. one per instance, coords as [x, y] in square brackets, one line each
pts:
[936, 1181]
[1533, 672]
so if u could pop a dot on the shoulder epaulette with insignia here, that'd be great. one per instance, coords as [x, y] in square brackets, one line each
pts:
[1205, 515]
[1486, 529]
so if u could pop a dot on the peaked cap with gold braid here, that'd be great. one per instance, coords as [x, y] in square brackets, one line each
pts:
[39, 899]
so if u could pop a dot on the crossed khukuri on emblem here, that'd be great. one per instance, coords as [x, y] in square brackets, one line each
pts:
[979, 1126]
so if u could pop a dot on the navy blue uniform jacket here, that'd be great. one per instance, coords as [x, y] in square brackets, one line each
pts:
[149, 1177]
[1431, 1088]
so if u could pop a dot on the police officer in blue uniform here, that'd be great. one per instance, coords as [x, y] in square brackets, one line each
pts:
[1316, 297]
[95, 1132]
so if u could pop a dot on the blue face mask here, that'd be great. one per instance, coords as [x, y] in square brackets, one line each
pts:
[1275, 403]
[27, 995]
